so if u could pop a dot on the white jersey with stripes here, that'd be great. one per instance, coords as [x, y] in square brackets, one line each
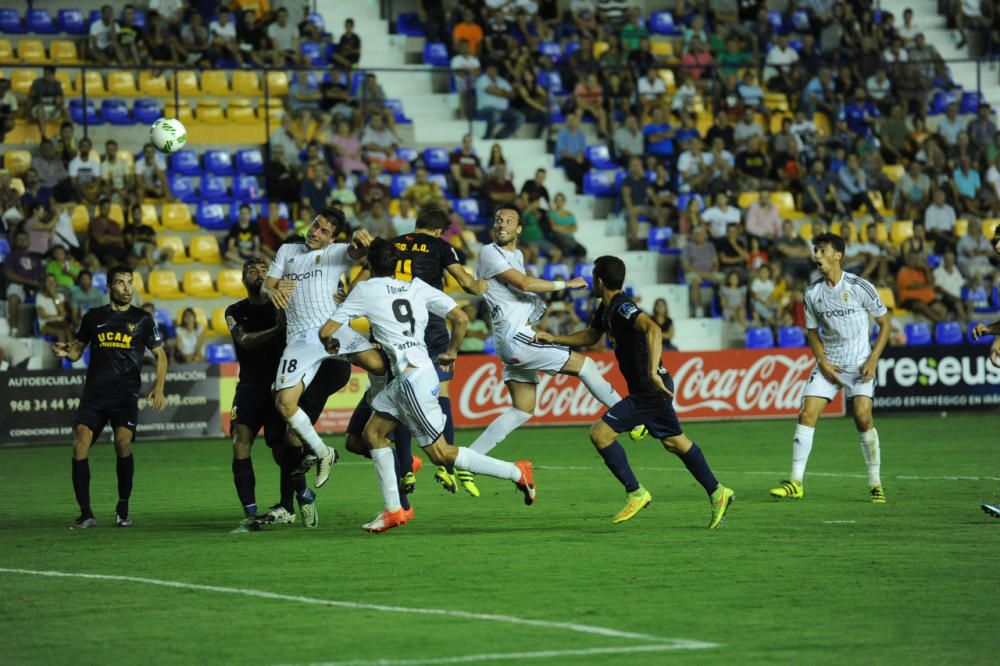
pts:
[316, 274]
[840, 313]
[397, 311]
[511, 309]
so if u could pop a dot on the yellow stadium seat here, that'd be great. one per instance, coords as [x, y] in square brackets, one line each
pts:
[69, 85]
[153, 86]
[806, 231]
[881, 233]
[177, 217]
[200, 319]
[218, 323]
[17, 185]
[205, 249]
[876, 198]
[16, 161]
[667, 75]
[186, 83]
[783, 201]
[703, 122]
[777, 119]
[150, 215]
[198, 283]
[231, 283]
[662, 48]
[80, 218]
[776, 101]
[901, 230]
[961, 227]
[115, 213]
[138, 286]
[122, 84]
[21, 80]
[64, 52]
[175, 243]
[889, 298]
[822, 123]
[240, 111]
[181, 111]
[277, 84]
[893, 171]
[7, 52]
[95, 84]
[747, 198]
[246, 83]
[32, 52]
[214, 82]
[163, 284]
[209, 111]
[990, 227]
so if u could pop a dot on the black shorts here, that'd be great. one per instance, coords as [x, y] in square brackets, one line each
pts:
[654, 412]
[435, 348]
[359, 418]
[253, 407]
[333, 375]
[121, 411]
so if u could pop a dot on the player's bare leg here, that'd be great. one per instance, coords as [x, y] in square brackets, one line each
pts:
[582, 366]
[522, 397]
[83, 437]
[805, 429]
[868, 436]
[287, 402]
[125, 470]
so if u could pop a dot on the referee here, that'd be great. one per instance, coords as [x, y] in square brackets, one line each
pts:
[119, 335]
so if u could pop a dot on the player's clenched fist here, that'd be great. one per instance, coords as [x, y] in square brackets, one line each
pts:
[362, 238]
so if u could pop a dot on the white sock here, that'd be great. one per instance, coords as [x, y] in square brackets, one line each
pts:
[496, 432]
[597, 384]
[477, 463]
[873, 455]
[303, 427]
[801, 446]
[385, 470]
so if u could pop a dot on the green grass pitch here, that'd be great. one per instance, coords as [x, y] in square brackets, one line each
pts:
[831, 579]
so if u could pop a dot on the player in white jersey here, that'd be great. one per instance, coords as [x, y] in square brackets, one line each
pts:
[398, 312]
[302, 281]
[991, 329]
[514, 307]
[837, 329]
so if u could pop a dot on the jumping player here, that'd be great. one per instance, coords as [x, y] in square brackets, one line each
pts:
[837, 329]
[638, 345]
[398, 312]
[119, 335]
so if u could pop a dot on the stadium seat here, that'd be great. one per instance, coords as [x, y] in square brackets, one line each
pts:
[21, 80]
[791, 336]
[247, 188]
[199, 317]
[662, 23]
[970, 103]
[32, 52]
[175, 243]
[215, 189]
[150, 216]
[212, 216]
[39, 21]
[80, 218]
[146, 111]
[223, 352]
[182, 187]
[64, 52]
[600, 157]
[154, 86]
[759, 338]
[552, 81]
[180, 111]
[551, 49]
[115, 213]
[990, 227]
[214, 82]
[177, 217]
[185, 162]
[231, 283]
[77, 112]
[489, 347]
[94, 83]
[893, 171]
[205, 249]
[115, 112]
[400, 182]
[122, 84]
[218, 162]
[437, 160]
[163, 284]
[918, 333]
[983, 340]
[246, 83]
[10, 22]
[941, 100]
[585, 270]
[210, 111]
[217, 324]
[7, 56]
[659, 238]
[315, 52]
[468, 209]
[901, 230]
[684, 200]
[138, 285]
[198, 284]
[250, 162]
[409, 24]
[186, 83]
[16, 162]
[71, 21]
[241, 111]
[436, 54]
[17, 185]
[277, 83]
[961, 227]
[600, 183]
[934, 260]
[948, 333]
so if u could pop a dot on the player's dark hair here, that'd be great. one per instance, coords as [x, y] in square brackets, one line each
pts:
[252, 261]
[336, 217]
[118, 270]
[611, 271]
[432, 218]
[382, 257]
[831, 239]
[508, 206]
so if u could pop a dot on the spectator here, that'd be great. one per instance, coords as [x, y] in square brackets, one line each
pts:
[559, 319]
[733, 297]
[993, 177]
[33, 190]
[45, 100]
[66, 145]
[8, 107]
[190, 339]
[563, 224]
[423, 192]
[696, 62]
[106, 238]
[589, 97]
[39, 225]
[380, 144]
[950, 125]
[793, 252]
[819, 94]
[85, 296]
[636, 201]
[763, 220]
[348, 51]
[85, 174]
[477, 332]
[700, 263]
[116, 176]
[315, 191]
[860, 258]
[130, 38]
[52, 311]
[652, 92]
[223, 40]
[853, 187]
[949, 282]
[879, 89]
[140, 241]
[975, 252]
[912, 192]
[970, 15]
[151, 175]
[196, 41]
[285, 137]
[982, 130]
[734, 253]
[820, 195]
[52, 174]
[24, 272]
[493, 98]
[745, 129]
[377, 222]
[968, 185]
[242, 242]
[765, 310]
[661, 317]
[346, 148]
[534, 197]
[753, 166]
[659, 135]
[939, 220]
[719, 216]
[282, 181]
[893, 134]
[467, 30]
[859, 114]
[499, 189]
[917, 243]
[628, 140]
[465, 67]
[496, 159]
[163, 45]
[104, 47]
[583, 14]
[661, 193]
[466, 170]
[532, 101]
[916, 293]
[284, 39]
[571, 146]
[781, 73]
[372, 189]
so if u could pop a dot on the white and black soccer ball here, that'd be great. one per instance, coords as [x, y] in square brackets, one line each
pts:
[168, 135]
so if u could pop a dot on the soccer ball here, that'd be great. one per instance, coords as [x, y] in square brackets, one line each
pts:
[168, 135]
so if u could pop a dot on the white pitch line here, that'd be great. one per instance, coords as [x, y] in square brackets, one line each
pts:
[838, 522]
[898, 477]
[465, 615]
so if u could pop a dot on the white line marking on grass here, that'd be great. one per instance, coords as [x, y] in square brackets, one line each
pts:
[898, 477]
[661, 643]
[838, 522]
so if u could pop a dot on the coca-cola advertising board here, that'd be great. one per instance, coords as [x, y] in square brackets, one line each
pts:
[731, 384]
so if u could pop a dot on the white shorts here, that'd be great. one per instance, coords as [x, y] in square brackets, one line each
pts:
[413, 401]
[820, 387]
[523, 358]
[304, 353]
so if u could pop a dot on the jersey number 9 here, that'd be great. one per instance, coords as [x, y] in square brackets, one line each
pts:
[404, 314]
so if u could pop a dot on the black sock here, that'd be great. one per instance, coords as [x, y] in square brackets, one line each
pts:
[404, 501]
[125, 467]
[289, 484]
[449, 424]
[81, 486]
[404, 449]
[616, 461]
[246, 484]
[695, 461]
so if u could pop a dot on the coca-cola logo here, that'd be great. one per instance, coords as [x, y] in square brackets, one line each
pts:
[774, 382]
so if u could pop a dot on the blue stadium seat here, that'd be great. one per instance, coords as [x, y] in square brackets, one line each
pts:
[948, 333]
[409, 24]
[600, 156]
[115, 112]
[777, 22]
[791, 336]
[214, 189]
[683, 200]
[212, 216]
[10, 22]
[71, 21]
[163, 320]
[407, 154]
[571, 48]
[760, 338]
[436, 53]
[76, 112]
[468, 209]
[984, 340]
[317, 20]
[585, 270]
[400, 182]
[659, 238]
[356, 80]
[100, 281]
[934, 260]
[396, 106]
[437, 160]
[970, 102]
[662, 23]
[552, 49]
[551, 80]
[182, 187]
[185, 162]
[583, 307]
[918, 333]
[223, 352]
[440, 179]
[488, 346]
[554, 271]
[140, 18]
[600, 183]
[4, 248]
[234, 210]
[40, 21]
[941, 100]
[250, 162]
[146, 111]
[315, 52]
[218, 162]
[248, 188]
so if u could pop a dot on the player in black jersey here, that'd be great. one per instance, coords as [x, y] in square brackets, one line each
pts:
[638, 348]
[425, 255]
[118, 335]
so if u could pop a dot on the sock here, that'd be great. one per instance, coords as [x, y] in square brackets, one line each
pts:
[477, 463]
[873, 455]
[801, 446]
[245, 485]
[597, 384]
[404, 501]
[695, 461]
[497, 431]
[384, 470]
[616, 460]
[125, 467]
[303, 427]
[81, 486]
[289, 484]
[449, 420]
[306, 495]
[404, 449]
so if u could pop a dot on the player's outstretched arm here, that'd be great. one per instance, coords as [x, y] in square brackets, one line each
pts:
[70, 351]
[516, 278]
[467, 281]
[256, 339]
[459, 325]
[884, 330]
[359, 244]
[326, 334]
[585, 338]
[654, 343]
[156, 398]
[986, 329]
